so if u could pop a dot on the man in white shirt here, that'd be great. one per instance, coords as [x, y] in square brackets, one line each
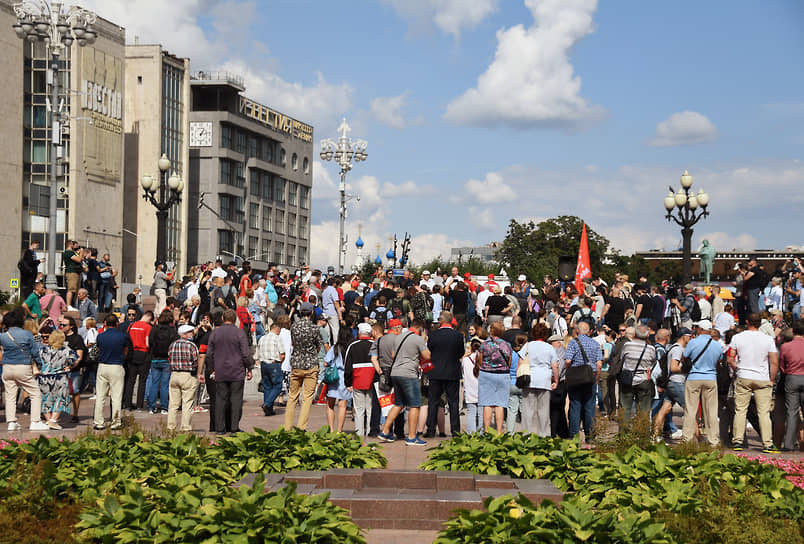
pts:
[704, 305]
[482, 296]
[724, 320]
[330, 303]
[427, 280]
[261, 300]
[218, 271]
[755, 358]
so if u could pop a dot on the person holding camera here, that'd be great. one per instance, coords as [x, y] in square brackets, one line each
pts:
[794, 291]
[686, 306]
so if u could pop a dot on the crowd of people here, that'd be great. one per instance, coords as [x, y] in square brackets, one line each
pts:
[406, 352]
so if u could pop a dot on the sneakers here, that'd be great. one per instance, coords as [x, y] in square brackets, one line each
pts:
[772, 449]
[99, 427]
[14, 426]
[677, 435]
[39, 426]
[199, 409]
[415, 442]
[116, 427]
[153, 412]
[163, 412]
[386, 437]
[737, 446]
[53, 424]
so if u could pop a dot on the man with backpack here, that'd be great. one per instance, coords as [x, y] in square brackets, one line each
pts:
[688, 308]
[671, 381]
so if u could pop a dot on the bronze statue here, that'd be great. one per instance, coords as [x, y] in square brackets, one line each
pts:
[707, 256]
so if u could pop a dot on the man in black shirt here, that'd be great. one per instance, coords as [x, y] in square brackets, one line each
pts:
[754, 281]
[516, 328]
[68, 327]
[459, 300]
[644, 304]
[614, 311]
[446, 350]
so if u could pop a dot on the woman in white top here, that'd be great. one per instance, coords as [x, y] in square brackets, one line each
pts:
[543, 361]
[469, 366]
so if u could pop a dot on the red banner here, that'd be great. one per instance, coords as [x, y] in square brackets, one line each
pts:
[584, 266]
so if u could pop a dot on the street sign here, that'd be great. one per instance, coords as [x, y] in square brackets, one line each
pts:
[399, 272]
[14, 283]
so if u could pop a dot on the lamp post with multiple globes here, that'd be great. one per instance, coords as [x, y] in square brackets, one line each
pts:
[163, 192]
[689, 208]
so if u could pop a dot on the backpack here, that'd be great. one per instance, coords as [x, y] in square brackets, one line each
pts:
[397, 309]
[588, 318]
[381, 315]
[695, 312]
[664, 365]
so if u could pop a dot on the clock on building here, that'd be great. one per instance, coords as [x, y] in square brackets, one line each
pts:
[201, 134]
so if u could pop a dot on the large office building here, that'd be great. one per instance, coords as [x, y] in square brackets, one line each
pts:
[157, 118]
[90, 168]
[251, 172]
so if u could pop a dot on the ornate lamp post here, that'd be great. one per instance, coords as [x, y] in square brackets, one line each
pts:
[58, 28]
[343, 151]
[169, 193]
[689, 209]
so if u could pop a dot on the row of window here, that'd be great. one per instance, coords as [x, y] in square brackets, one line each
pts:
[265, 185]
[259, 147]
[265, 250]
[232, 209]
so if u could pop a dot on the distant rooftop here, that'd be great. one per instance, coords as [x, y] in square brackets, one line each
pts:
[218, 77]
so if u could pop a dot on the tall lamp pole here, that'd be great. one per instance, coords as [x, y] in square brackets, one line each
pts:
[58, 28]
[343, 151]
[689, 208]
[169, 193]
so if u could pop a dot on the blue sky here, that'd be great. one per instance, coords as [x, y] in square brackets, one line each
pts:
[479, 111]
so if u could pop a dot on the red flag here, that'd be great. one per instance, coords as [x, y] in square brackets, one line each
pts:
[584, 267]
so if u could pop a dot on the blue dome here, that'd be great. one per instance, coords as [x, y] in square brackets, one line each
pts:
[378, 260]
[359, 243]
[390, 254]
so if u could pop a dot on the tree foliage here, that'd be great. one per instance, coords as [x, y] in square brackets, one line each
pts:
[533, 249]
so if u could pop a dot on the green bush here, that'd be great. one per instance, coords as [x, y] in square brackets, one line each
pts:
[636, 483]
[168, 477]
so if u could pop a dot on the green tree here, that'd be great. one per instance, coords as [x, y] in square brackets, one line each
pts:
[533, 249]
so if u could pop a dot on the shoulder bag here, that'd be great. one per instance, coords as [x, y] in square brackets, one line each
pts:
[581, 374]
[523, 371]
[385, 378]
[687, 364]
[34, 367]
[626, 377]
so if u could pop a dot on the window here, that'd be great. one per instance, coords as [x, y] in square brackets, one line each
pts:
[231, 208]
[240, 181]
[226, 137]
[254, 216]
[279, 224]
[226, 172]
[302, 255]
[225, 208]
[254, 182]
[292, 224]
[252, 245]
[292, 190]
[232, 173]
[291, 255]
[306, 166]
[279, 190]
[302, 227]
[253, 147]
[294, 161]
[304, 197]
[268, 151]
[279, 252]
[241, 141]
[267, 187]
[266, 219]
[225, 241]
[282, 160]
[265, 254]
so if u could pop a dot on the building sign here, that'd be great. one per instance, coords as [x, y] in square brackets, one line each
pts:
[101, 92]
[275, 120]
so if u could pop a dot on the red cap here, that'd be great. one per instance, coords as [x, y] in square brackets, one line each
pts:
[467, 275]
[394, 323]
[491, 276]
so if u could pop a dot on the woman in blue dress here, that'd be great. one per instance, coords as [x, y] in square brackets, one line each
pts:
[337, 393]
[57, 361]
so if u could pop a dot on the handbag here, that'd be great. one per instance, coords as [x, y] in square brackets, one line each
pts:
[626, 377]
[581, 374]
[331, 375]
[523, 371]
[34, 367]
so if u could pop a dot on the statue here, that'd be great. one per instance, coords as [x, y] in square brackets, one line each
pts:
[707, 256]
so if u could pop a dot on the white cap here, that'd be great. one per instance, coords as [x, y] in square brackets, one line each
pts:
[184, 329]
[522, 277]
[704, 324]
[364, 329]
[425, 273]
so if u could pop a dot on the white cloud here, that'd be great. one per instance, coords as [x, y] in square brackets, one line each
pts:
[686, 127]
[406, 189]
[489, 190]
[481, 218]
[388, 110]
[724, 241]
[531, 81]
[451, 16]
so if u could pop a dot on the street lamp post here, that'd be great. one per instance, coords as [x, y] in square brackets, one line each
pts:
[58, 28]
[689, 209]
[343, 151]
[169, 190]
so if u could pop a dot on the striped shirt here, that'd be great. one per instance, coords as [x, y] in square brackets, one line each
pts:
[183, 356]
[270, 348]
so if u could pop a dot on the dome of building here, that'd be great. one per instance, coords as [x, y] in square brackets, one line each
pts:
[390, 254]
[378, 260]
[359, 243]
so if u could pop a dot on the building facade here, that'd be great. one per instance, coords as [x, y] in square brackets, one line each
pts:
[90, 165]
[725, 261]
[157, 120]
[486, 254]
[250, 178]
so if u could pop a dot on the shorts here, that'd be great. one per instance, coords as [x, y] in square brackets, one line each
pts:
[75, 378]
[73, 280]
[406, 392]
[674, 393]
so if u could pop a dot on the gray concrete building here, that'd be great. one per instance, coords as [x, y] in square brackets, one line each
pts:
[90, 173]
[157, 120]
[250, 177]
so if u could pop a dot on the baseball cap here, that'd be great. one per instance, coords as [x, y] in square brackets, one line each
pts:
[425, 273]
[555, 338]
[522, 277]
[364, 329]
[491, 276]
[467, 275]
[704, 324]
[184, 329]
[684, 331]
[394, 323]
[689, 286]
[306, 308]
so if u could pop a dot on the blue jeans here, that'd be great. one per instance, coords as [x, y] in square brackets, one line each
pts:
[104, 295]
[159, 376]
[582, 404]
[259, 330]
[471, 417]
[669, 426]
[797, 311]
[271, 382]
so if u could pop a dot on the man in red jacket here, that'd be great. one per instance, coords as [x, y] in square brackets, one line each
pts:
[359, 377]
